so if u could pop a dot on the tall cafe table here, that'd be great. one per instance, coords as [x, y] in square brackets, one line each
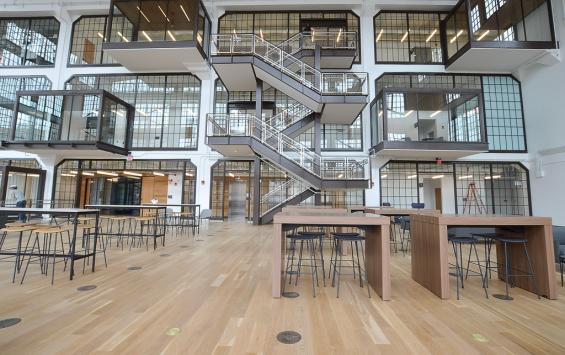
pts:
[71, 212]
[156, 234]
[182, 206]
[377, 250]
[429, 249]
[399, 212]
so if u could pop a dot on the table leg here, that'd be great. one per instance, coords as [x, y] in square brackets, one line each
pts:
[430, 266]
[95, 241]
[277, 259]
[72, 268]
[17, 264]
[377, 256]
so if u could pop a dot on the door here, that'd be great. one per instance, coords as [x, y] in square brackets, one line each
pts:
[237, 198]
[438, 201]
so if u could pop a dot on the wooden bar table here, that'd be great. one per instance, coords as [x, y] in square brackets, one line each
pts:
[352, 209]
[400, 212]
[309, 207]
[377, 250]
[429, 249]
[182, 206]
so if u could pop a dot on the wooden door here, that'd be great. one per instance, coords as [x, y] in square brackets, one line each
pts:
[438, 200]
[147, 190]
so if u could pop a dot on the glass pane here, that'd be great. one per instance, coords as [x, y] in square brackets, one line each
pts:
[114, 124]
[536, 18]
[13, 34]
[180, 26]
[391, 37]
[402, 117]
[425, 41]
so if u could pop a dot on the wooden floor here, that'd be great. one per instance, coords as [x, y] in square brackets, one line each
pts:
[218, 291]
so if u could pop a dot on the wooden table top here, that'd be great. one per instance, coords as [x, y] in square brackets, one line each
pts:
[362, 208]
[483, 219]
[46, 210]
[401, 212]
[171, 204]
[132, 207]
[310, 207]
[315, 210]
[334, 219]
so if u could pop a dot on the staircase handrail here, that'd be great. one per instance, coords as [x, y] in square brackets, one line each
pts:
[325, 39]
[289, 116]
[327, 168]
[324, 83]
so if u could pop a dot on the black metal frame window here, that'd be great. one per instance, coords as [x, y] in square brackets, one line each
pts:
[479, 187]
[276, 27]
[28, 41]
[21, 163]
[66, 186]
[501, 96]
[456, 29]
[504, 114]
[167, 107]
[8, 88]
[408, 37]
[399, 184]
[87, 37]
[337, 198]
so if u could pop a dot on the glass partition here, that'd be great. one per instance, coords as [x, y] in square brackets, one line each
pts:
[72, 118]
[457, 30]
[426, 117]
[148, 21]
[28, 41]
[204, 25]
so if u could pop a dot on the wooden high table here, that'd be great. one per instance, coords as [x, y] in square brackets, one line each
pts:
[191, 206]
[377, 250]
[429, 249]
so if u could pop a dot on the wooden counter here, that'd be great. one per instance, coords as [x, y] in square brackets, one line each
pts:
[351, 209]
[377, 249]
[313, 209]
[399, 212]
[429, 249]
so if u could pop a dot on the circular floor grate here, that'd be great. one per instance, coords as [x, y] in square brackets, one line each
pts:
[5, 323]
[503, 297]
[290, 294]
[165, 255]
[289, 337]
[185, 246]
[134, 268]
[86, 288]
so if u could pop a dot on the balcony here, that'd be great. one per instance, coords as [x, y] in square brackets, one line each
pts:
[428, 123]
[505, 34]
[82, 123]
[164, 36]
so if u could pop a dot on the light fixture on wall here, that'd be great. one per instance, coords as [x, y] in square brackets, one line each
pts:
[89, 174]
[143, 14]
[466, 177]
[384, 176]
[437, 177]
[147, 36]
[405, 35]
[170, 34]
[231, 174]
[106, 173]
[435, 113]
[454, 38]
[130, 173]
[408, 113]
[411, 176]
[158, 174]
[182, 8]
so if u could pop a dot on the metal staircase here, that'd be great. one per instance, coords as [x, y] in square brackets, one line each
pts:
[290, 192]
[291, 121]
[283, 151]
[325, 39]
[241, 60]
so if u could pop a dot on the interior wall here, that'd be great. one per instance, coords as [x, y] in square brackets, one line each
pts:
[448, 194]
[174, 190]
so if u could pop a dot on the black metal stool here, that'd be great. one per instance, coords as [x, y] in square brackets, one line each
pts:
[459, 260]
[339, 238]
[318, 235]
[348, 234]
[290, 259]
[489, 238]
[561, 261]
[394, 222]
[508, 262]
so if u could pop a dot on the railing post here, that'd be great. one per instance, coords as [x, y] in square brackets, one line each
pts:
[302, 156]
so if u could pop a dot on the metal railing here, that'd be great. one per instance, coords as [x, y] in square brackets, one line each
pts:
[224, 125]
[281, 194]
[325, 39]
[323, 83]
[289, 116]
[40, 203]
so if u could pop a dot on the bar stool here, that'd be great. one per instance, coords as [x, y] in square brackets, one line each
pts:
[44, 257]
[86, 230]
[187, 217]
[290, 259]
[405, 226]
[20, 230]
[489, 238]
[561, 261]
[459, 259]
[508, 262]
[318, 235]
[339, 238]
[144, 222]
[120, 221]
[394, 223]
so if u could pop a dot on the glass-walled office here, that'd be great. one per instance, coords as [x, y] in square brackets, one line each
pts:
[277, 27]
[28, 41]
[458, 187]
[492, 21]
[166, 106]
[87, 37]
[27, 175]
[155, 21]
[455, 116]
[121, 182]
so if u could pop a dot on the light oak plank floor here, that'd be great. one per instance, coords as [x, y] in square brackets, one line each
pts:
[218, 291]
